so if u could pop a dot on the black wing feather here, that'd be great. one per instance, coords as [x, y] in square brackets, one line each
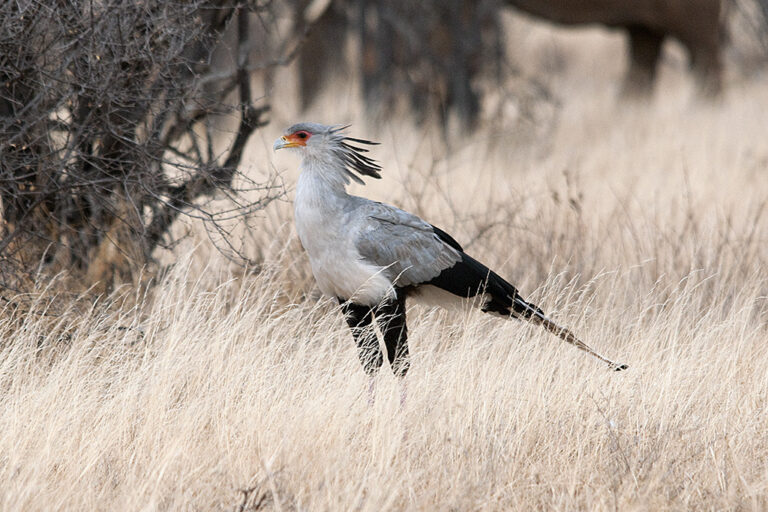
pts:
[468, 278]
[448, 239]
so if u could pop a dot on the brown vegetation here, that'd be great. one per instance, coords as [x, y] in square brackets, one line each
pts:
[644, 227]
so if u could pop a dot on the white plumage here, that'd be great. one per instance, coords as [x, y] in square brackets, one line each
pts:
[324, 224]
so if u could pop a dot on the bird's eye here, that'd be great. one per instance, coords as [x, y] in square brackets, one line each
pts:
[301, 135]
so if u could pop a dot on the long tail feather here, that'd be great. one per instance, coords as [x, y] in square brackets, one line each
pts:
[565, 334]
[469, 277]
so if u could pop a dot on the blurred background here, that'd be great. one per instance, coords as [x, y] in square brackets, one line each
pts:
[129, 128]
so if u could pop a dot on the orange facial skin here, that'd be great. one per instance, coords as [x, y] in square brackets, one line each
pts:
[295, 139]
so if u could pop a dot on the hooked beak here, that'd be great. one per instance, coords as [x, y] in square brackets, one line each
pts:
[284, 142]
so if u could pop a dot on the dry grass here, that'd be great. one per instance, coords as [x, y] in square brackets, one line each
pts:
[643, 228]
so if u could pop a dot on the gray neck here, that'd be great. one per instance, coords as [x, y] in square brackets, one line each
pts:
[321, 183]
[327, 173]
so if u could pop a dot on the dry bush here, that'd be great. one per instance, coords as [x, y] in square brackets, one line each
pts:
[108, 130]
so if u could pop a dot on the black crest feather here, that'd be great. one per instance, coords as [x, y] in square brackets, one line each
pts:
[353, 156]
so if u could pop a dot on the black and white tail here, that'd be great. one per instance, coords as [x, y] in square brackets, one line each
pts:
[469, 277]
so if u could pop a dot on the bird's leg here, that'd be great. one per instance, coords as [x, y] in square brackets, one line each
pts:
[360, 321]
[391, 318]
[392, 321]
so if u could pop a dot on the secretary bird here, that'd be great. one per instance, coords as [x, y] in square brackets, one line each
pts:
[371, 256]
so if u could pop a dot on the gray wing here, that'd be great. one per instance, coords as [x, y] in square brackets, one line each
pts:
[408, 247]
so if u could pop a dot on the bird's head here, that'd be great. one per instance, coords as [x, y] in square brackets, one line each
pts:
[330, 145]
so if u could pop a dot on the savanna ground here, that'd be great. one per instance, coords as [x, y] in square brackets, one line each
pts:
[642, 227]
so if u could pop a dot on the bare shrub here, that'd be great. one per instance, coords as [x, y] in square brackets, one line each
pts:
[106, 129]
